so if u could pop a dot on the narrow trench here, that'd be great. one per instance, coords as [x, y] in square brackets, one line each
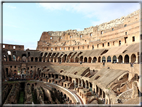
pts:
[21, 98]
[9, 89]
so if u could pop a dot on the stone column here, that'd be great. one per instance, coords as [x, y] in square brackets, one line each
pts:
[117, 60]
[102, 94]
[137, 59]
[129, 59]
[78, 82]
[33, 59]
[98, 91]
[85, 85]
[42, 59]
[81, 83]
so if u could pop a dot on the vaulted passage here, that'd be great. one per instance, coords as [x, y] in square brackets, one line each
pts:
[126, 59]
[133, 58]
[120, 60]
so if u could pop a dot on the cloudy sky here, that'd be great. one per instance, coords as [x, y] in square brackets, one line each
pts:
[23, 23]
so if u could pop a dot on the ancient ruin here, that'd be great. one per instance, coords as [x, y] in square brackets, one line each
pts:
[99, 65]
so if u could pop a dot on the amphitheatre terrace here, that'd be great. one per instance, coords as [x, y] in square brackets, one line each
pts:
[99, 65]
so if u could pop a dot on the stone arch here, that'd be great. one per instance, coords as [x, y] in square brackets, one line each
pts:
[120, 59]
[126, 59]
[24, 57]
[133, 58]
[89, 60]
[85, 59]
[103, 59]
[76, 59]
[99, 59]
[64, 58]
[54, 59]
[94, 59]
[67, 78]
[14, 57]
[90, 84]
[114, 59]
[32, 59]
[40, 59]
[59, 59]
[36, 59]
[81, 58]
[108, 59]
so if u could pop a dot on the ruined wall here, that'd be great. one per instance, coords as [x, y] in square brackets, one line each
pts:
[126, 26]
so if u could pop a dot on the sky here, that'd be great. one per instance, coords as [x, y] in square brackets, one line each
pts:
[23, 23]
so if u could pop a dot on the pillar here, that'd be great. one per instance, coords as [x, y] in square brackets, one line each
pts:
[137, 59]
[81, 83]
[33, 59]
[98, 91]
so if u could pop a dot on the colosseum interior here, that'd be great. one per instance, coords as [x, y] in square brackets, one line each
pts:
[99, 65]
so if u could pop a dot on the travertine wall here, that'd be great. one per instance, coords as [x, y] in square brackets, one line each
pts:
[122, 29]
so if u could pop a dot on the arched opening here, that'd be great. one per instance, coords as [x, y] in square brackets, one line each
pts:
[24, 57]
[90, 59]
[14, 57]
[51, 59]
[28, 54]
[97, 89]
[47, 59]
[5, 58]
[52, 75]
[41, 54]
[63, 77]
[9, 55]
[59, 59]
[81, 58]
[85, 59]
[94, 59]
[103, 59]
[133, 58]
[36, 59]
[120, 60]
[108, 59]
[56, 76]
[7, 71]
[126, 59]
[54, 59]
[66, 78]
[40, 59]
[114, 59]
[99, 59]
[49, 75]
[83, 83]
[90, 86]
[31, 59]
[64, 58]
[76, 59]
[100, 92]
